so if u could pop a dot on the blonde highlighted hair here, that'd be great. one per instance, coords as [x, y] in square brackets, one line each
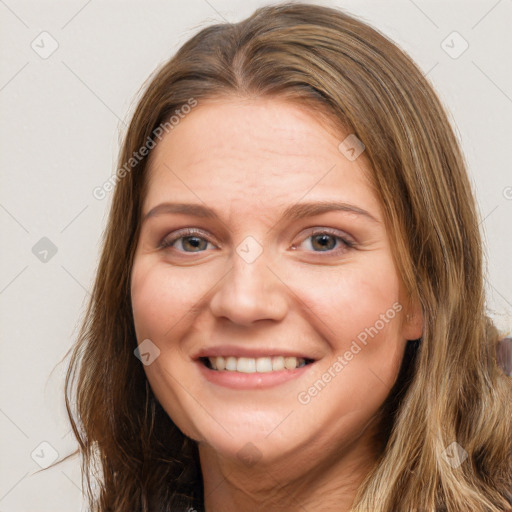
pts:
[450, 388]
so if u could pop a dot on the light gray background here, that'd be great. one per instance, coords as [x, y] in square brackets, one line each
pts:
[61, 118]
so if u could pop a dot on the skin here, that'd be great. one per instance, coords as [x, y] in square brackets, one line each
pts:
[249, 159]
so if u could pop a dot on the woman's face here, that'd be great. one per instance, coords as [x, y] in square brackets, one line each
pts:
[239, 265]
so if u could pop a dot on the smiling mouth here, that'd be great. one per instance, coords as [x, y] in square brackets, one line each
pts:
[254, 365]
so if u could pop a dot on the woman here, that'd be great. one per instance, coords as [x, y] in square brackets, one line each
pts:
[288, 312]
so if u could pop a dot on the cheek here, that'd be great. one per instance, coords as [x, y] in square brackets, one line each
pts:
[161, 298]
[348, 302]
[160, 302]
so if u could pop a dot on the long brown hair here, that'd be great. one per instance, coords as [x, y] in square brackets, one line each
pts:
[450, 388]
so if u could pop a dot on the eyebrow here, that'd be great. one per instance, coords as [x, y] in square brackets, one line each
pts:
[295, 211]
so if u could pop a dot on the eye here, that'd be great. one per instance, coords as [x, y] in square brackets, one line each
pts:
[185, 239]
[326, 240]
[190, 240]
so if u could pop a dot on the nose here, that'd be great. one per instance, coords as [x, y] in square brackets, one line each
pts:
[250, 292]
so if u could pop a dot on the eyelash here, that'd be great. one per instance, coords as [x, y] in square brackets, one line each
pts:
[190, 232]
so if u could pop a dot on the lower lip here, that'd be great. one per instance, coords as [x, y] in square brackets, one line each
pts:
[239, 380]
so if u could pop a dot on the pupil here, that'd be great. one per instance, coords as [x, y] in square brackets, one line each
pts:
[324, 241]
[194, 241]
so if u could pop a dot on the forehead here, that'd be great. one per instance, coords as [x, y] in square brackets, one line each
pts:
[255, 150]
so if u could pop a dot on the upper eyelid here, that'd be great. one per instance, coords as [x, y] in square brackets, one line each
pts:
[186, 232]
[329, 231]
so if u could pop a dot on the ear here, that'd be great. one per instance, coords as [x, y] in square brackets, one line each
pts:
[412, 323]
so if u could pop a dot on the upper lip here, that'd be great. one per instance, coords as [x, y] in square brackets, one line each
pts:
[244, 351]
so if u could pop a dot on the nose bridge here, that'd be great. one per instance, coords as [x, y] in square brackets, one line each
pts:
[250, 291]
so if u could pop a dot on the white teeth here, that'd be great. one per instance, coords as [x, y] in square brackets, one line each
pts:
[264, 364]
[278, 363]
[255, 365]
[230, 364]
[246, 365]
[290, 363]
